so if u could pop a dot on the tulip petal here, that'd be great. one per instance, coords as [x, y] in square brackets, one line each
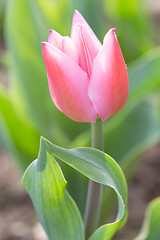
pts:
[87, 45]
[69, 48]
[78, 19]
[108, 87]
[68, 85]
[93, 45]
[55, 39]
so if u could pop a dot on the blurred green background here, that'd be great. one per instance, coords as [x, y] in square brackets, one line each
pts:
[26, 109]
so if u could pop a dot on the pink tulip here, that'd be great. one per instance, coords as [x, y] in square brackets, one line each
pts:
[86, 79]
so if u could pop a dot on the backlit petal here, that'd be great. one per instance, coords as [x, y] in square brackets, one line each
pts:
[108, 88]
[68, 85]
[70, 49]
[55, 39]
[87, 46]
[78, 19]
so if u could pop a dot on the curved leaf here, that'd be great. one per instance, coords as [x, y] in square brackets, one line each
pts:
[127, 135]
[151, 226]
[93, 164]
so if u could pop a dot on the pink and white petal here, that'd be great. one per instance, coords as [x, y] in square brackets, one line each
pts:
[68, 85]
[79, 19]
[108, 88]
[87, 46]
[55, 39]
[69, 48]
[84, 58]
[91, 43]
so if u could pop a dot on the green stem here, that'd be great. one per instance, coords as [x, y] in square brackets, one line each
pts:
[93, 203]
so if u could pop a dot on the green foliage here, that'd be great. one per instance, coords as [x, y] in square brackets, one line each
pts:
[2, 10]
[25, 30]
[56, 210]
[94, 14]
[144, 75]
[133, 24]
[17, 137]
[55, 10]
[151, 226]
[46, 185]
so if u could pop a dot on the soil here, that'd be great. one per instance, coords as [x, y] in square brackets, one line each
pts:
[17, 217]
[19, 222]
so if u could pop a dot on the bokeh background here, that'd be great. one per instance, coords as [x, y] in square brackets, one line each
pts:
[132, 136]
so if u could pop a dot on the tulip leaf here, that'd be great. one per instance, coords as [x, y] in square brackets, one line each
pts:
[144, 75]
[56, 210]
[13, 129]
[135, 129]
[151, 226]
[58, 14]
[29, 81]
[45, 183]
[130, 15]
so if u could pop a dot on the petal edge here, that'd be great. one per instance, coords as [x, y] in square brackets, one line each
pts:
[68, 85]
[108, 87]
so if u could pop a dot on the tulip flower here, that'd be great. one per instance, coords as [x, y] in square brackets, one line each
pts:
[86, 79]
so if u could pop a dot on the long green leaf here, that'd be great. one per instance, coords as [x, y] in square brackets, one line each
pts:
[151, 226]
[126, 16]
[13, 130]
[144, 75]
[42, 182]
[25, 29]
[58, 14]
